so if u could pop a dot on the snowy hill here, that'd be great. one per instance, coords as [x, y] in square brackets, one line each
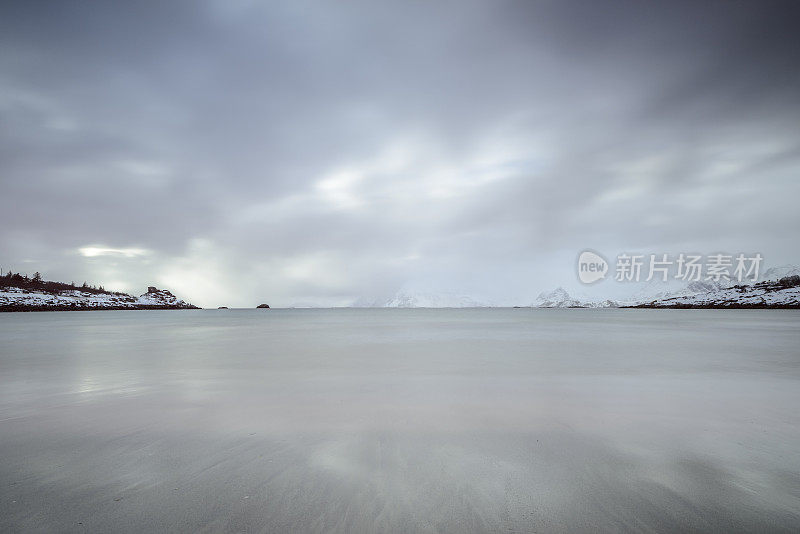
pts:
[774, 289]
[37, 299]
[161, 297]
[559, 298]
[784, 293]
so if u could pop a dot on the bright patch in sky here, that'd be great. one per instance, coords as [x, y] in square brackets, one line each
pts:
[94, 251]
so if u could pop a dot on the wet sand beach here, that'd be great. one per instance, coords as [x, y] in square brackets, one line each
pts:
[475, 420]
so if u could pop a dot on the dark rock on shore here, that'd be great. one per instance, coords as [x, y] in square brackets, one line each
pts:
[78, 307]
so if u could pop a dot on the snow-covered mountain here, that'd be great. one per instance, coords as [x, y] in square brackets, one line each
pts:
[784, 293]
[652, 291]
[778, 272]
[423, 300]
[23, 299]
[559, 298]
[702, 293]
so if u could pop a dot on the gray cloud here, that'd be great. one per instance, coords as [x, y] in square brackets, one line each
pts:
[318, 152]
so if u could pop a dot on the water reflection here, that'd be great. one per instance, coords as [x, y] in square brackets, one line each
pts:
[423, 420]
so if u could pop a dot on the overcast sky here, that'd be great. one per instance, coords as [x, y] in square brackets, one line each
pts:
[318, 153]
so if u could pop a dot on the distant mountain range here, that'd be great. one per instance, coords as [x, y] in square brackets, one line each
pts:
[703, 293]
[423, 300]
[778, 287]
[559, 298]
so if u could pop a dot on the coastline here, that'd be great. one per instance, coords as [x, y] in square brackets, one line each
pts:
[732, 306]
[25, 308]
[64, 308]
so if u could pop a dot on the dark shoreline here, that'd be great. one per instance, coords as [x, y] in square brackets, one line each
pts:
[731, 306]
[25, 308]
[672, 307]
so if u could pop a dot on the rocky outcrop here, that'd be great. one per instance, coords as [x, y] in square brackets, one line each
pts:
[162, 297]
[263, 306]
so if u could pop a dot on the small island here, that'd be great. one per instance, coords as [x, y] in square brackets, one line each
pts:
[263, 306]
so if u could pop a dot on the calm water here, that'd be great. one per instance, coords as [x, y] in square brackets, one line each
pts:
[400, 420]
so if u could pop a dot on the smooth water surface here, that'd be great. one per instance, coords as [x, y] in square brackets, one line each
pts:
[392, 420]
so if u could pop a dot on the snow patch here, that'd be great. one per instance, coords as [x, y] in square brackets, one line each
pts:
[20, 297]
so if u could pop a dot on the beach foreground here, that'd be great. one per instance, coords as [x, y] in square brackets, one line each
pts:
[476, 420]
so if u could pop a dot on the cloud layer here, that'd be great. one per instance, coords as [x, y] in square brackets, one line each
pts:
[316, 153]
